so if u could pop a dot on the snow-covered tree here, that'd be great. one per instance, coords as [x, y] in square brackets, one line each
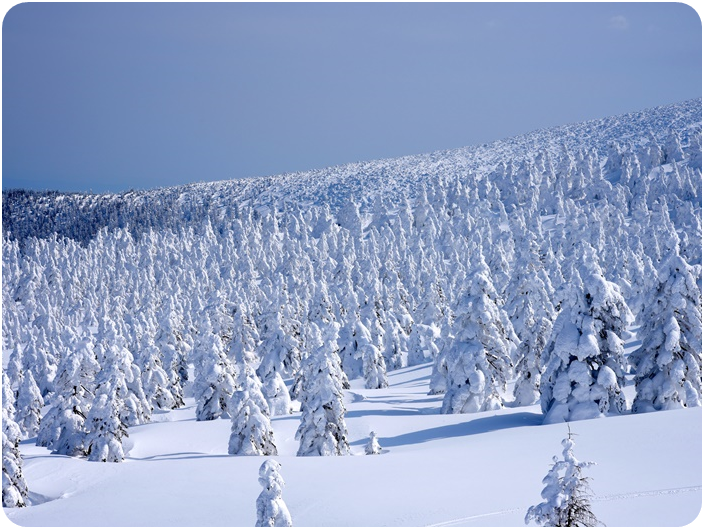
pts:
[104, 427]
[29, 406]
[271, 509]
[322, 431]
[373, 365]
[479, 360]
[584, 362]
[372, 447]
[251, 432]
[566, 494]
[279, 354]
[531, 311]
[155, 380]
[62, 428]
[668, 365]
[14, 487]
[117, 362]
[214, 381]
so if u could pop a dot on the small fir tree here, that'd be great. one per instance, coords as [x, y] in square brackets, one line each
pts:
[566, 493]
[372, 447]
[271, 509]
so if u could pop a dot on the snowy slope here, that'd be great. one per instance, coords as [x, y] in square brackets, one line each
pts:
[481, 469]
[80, 215]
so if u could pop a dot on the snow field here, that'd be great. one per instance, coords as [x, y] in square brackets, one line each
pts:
[482, 469]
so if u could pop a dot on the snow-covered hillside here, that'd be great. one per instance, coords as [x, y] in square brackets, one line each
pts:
[80, 215]
[464, 305]
[482, 469]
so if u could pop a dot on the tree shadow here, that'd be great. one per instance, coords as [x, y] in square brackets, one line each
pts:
[472, 427]
[180, 456]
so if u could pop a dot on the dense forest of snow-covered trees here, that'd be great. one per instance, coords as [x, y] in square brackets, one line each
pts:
[529, 267]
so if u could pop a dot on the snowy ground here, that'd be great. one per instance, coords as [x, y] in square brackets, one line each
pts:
[481, 469]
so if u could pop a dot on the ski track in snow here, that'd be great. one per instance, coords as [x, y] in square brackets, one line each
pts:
[609, 497]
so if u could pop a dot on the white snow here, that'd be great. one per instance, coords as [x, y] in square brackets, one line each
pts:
[482, 469]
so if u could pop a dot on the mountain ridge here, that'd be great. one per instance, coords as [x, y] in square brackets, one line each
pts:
[81, 215]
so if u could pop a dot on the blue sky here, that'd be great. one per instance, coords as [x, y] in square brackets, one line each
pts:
[117, 96]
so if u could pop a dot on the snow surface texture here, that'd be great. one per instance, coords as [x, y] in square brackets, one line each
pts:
[482, 469]
[454, 303]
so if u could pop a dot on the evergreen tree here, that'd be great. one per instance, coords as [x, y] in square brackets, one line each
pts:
[373, 365]
[479, 360]
[29, 406]
[584, 363]
[372, 447]
[213, 382]
[668, 365]
[251, 432]
[14, 487]
[105, 428]
[279, 355]
[271, 509]
[322, 431]
[155, 380]
[63, 428]
[566, 493]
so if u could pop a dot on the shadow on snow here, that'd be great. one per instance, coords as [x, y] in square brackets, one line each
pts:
[471, 427]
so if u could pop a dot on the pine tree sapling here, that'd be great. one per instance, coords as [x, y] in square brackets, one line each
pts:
[566, 493]
[372, 447]
[271, 509]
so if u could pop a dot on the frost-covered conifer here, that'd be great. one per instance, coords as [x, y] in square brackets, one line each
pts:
[531, 312]
[584, 363]
[29, 405]
[105, 428]
[479, 360]
[566, 493]
[14, 487]
[39, 359]
[251, 432]
[213, 382]
[63, 428]
[373, 365]
[155, 380]
[116, 360]
[668, 365]
[322, 431]
[174, 353]
[279, 354]
[372, 447]
[271, 509]
[422, 345]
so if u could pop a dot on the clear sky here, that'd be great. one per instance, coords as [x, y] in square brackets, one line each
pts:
[118, 96]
